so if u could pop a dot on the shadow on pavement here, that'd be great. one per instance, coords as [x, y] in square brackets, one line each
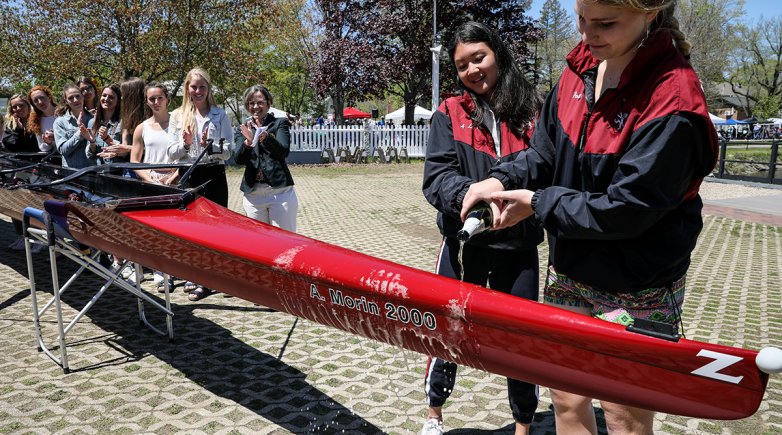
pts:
[203, 351]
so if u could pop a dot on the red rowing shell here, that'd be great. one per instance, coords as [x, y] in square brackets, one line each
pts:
[427, 313]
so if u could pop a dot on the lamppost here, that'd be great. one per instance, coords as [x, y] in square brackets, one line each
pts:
[436, 48]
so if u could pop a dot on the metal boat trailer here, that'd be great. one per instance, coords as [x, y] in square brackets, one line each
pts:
[55, 235]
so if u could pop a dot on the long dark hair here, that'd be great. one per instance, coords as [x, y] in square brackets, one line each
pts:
[514, 100]
[115, 117]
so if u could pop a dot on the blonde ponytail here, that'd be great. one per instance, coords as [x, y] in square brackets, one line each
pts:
[667, 21]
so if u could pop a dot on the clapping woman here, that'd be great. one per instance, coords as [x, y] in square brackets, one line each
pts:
[41, 121]
[17, 138]
[106, 126]
[193, 125]
[89, 91]
[150, 139]
[71, 134]
[264, 144]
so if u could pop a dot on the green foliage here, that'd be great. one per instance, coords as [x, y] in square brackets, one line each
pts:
[238, 41]
[769, 106]
[559, 37]
[757, 66]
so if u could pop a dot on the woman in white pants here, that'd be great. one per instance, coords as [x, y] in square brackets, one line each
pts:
[262, 147]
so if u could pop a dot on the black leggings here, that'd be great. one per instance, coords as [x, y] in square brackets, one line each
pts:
[514, 272]
[217, 188]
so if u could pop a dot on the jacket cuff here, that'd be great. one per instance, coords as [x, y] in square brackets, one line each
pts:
[534, 200]
[460, 197]
[502, 177]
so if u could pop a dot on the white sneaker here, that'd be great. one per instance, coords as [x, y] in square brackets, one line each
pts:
[17, 244]
[157, 278]
[129, 271]
[433, 426]
[115, 267]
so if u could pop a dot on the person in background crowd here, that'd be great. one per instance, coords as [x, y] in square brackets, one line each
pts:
[89, 91]
[150, 145]
[41, 121]
[193, 125]
[131, 112]
[620, 150]
[106, 125]
[267, 183]
[71, 134]
[18, 139]
[151, 138]
[500, 105]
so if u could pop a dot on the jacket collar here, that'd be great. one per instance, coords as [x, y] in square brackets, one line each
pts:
[468, 104]
[654, 51]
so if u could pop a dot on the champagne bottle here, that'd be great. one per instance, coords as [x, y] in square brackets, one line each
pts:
[479, 219]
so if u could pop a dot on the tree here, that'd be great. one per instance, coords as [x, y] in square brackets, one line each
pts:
[347, 68]
[274, 49]
[291, 62]
[710, 26]
[54, 42]
[559, 36]
[758, 66]
[403, 28]
[517, 31]
[507, 18]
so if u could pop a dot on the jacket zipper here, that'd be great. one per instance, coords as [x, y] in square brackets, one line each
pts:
[587, 117]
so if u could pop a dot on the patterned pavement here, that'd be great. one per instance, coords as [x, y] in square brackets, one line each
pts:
[239, 368]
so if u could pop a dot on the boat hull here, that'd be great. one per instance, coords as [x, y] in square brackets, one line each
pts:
[427, 313]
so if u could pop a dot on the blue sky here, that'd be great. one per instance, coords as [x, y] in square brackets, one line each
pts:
[753, 8]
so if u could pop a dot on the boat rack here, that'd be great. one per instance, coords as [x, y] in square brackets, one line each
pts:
[55, 235]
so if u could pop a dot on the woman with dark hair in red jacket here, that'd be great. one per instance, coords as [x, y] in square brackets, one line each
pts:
[619, 152]
[490, 121]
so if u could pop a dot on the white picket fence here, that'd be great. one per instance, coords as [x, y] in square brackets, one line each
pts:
[410, 139]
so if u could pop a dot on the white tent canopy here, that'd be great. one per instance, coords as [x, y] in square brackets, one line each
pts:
[715, 118]
[399, 114]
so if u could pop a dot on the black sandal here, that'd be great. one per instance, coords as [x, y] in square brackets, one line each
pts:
[199, 293]
[190, 286]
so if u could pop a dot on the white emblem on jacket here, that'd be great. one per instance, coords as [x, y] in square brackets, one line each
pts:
[619, 120]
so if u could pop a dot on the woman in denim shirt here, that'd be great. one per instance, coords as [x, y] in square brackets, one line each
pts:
[71, 134]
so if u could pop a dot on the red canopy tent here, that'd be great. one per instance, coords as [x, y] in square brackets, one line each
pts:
[353, 113]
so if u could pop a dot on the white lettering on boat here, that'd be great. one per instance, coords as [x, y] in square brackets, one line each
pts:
[315, 294]
[721, 361]
[394, 312]
[361, 304]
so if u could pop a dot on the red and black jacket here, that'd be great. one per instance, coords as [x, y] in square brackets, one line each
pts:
[460, 152]
[617, 181]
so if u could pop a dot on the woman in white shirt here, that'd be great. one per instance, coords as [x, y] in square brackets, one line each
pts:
[192, 126]
[150, 145]
[151, 139]
[41, 121]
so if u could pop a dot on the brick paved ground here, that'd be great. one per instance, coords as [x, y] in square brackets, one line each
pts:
[239, 368]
